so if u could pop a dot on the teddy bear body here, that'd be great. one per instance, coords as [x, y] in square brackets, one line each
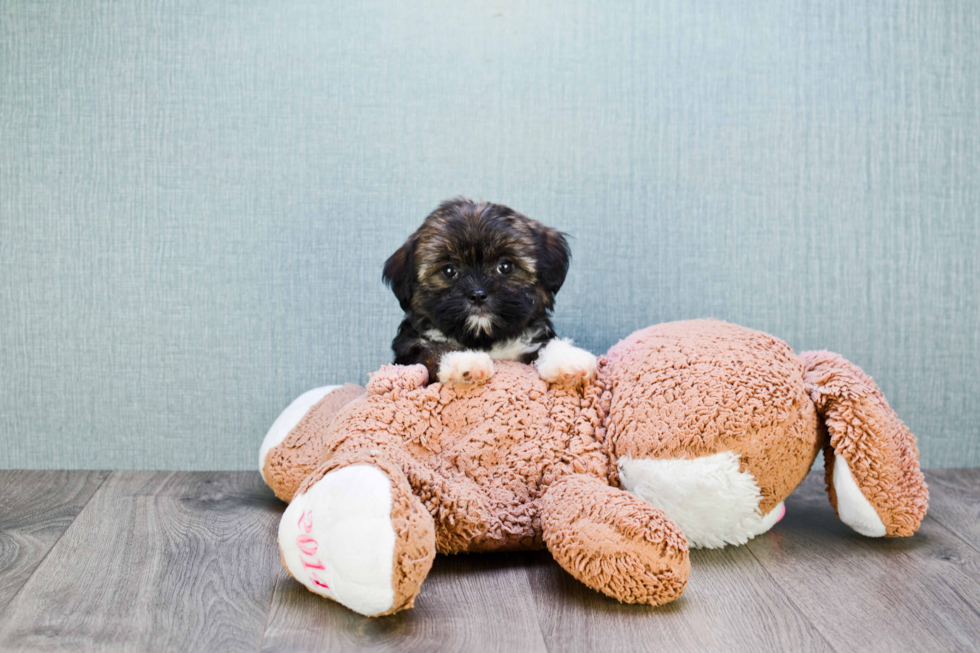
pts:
[479, 458]
[690, 433]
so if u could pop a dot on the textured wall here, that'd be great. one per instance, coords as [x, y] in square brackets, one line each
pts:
[196, 198]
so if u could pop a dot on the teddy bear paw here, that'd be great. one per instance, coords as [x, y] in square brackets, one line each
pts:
[465, 367]
[338, 540]
[562, 362]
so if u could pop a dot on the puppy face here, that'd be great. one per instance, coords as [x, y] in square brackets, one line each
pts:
[479, 272]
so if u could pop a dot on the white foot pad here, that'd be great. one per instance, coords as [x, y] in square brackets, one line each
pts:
[854, 510]
[338, 541]
[708, 498]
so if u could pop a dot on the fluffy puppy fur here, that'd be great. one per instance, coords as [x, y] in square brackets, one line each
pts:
[477, 282]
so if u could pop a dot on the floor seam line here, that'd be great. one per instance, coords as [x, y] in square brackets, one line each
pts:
[56, 542]
[537, 614]
[952, 532]
[268, 614]
[789, 598]
[960, 597]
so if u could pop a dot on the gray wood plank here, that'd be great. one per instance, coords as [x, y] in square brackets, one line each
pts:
[955, 502]
[185, 561]
[730, 604]
[468, 603]
[155, 561]
[864, 594]
[36, 507]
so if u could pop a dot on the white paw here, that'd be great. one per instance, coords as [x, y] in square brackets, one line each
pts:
[709, 499]
[560, 360]
[854, 509]
[338, 541]
[460, 367]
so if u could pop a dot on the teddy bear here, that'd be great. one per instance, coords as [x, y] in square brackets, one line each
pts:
[690, 434]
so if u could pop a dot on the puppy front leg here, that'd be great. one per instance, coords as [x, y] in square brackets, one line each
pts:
[461, 367]
[560, 361]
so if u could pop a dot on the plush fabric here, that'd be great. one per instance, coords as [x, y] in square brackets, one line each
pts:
[711, 498]
[516, 463]
[692, 389]
[614, 541]
[290, 461]
[882, 455]
[479, 457]
[414, 548]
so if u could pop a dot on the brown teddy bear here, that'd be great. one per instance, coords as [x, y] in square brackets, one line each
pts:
[691, 434]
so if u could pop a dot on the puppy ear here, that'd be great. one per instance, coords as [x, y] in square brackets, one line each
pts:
[553, 257]
[399, 272]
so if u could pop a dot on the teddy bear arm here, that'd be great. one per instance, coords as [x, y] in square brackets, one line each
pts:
[872, 461]
[403, 377]
[613, 541]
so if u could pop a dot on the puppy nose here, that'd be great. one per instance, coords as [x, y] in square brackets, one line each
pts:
[478, 296]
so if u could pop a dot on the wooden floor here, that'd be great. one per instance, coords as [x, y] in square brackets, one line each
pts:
[133, 561]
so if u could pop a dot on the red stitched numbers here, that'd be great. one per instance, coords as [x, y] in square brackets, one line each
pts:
[307, 548]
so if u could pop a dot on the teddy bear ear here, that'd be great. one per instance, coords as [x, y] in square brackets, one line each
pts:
[404, 377]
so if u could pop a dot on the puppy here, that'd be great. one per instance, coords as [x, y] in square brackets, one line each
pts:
[477, 282]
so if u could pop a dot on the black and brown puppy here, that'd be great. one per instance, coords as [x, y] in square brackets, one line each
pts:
[477, 282]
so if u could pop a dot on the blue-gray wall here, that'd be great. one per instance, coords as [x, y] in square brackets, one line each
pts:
[196, 198]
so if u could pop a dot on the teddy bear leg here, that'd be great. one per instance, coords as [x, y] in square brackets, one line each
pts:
[613, 541]
[355, 533]
[871, 458]
[291, 449]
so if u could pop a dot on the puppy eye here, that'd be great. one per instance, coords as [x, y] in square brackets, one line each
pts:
[505, 267]
[449, 272]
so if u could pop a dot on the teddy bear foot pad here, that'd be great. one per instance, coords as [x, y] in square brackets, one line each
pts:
[713, 502]
[337, 538]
